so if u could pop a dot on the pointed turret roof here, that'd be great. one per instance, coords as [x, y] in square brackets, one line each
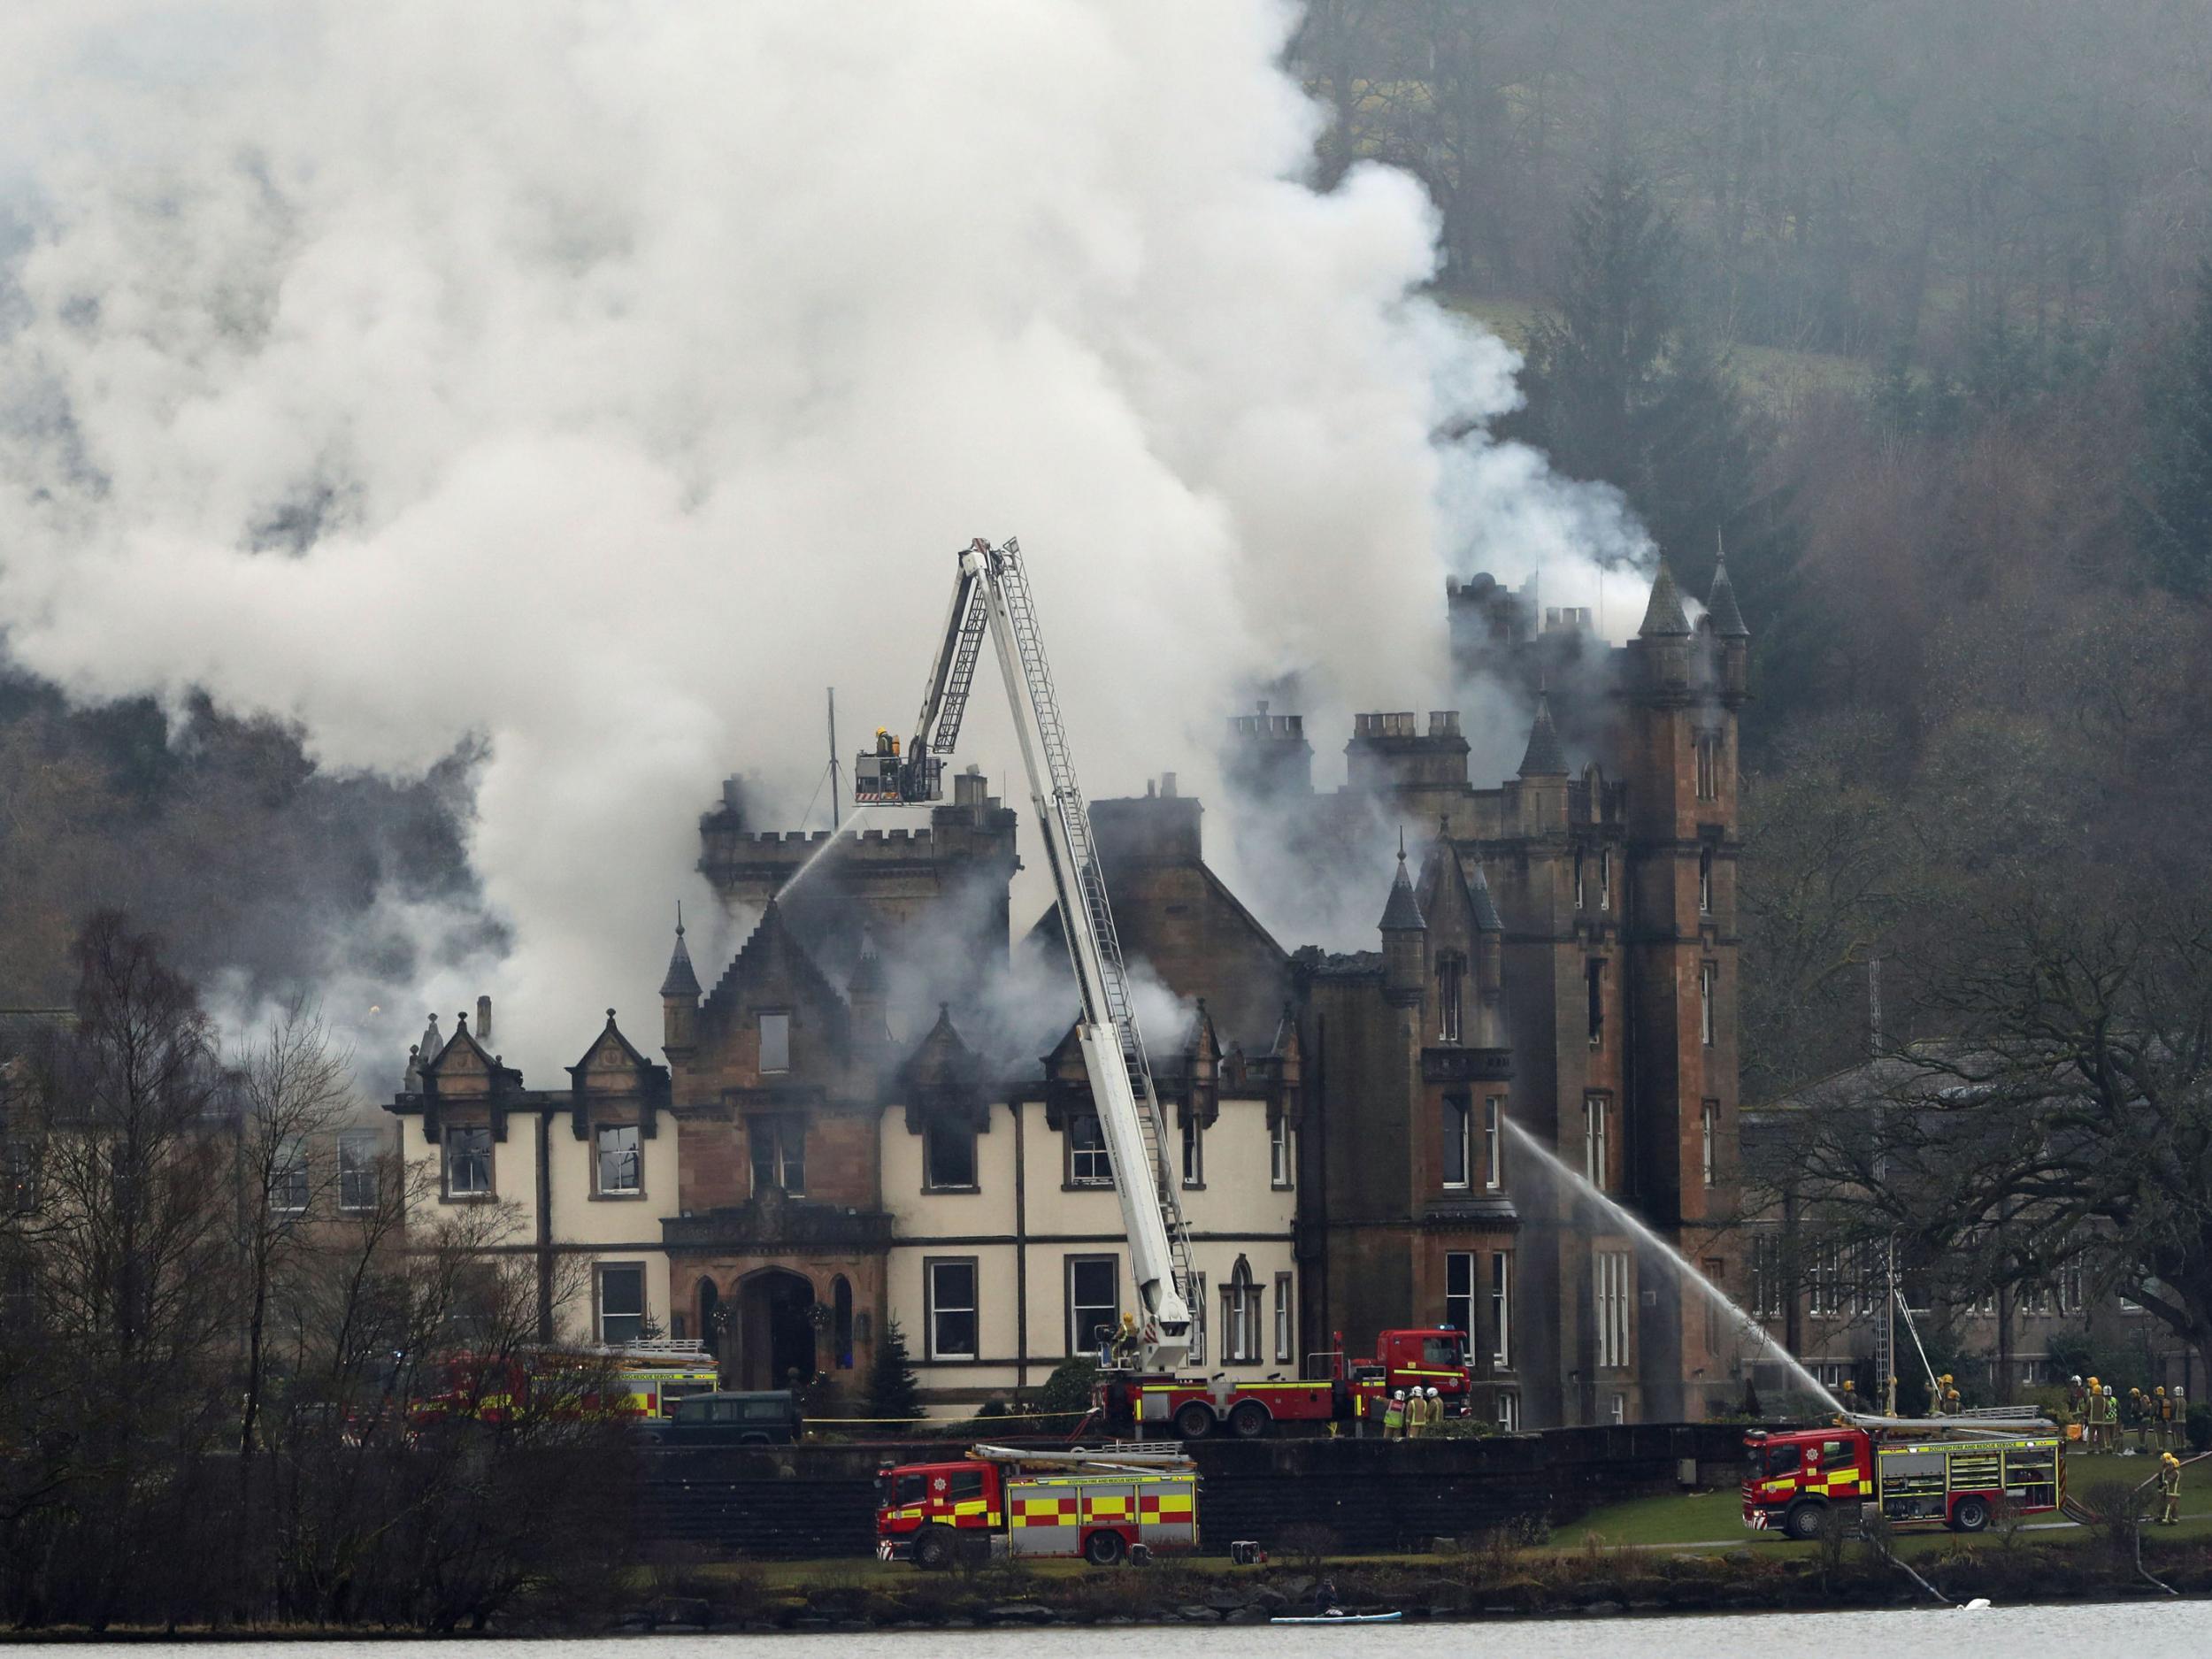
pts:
[1402, 914]
[1486, 918]
[1726, 614]
[680, 980]
[1664, 616]
[1545, 758]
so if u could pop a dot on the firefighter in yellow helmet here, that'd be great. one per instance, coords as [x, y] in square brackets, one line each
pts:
[1126, 1344]
[2094, 1418]
[2169, 1489]
[2163, 1412]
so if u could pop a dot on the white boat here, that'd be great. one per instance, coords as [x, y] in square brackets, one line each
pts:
[1339, 1618]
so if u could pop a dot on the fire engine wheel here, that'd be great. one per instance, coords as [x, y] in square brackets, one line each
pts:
[1971, 1514]
[1249, 1420]
[1803, 1522]
[1194, 1421]
[933, 1549]
[1102, 1549]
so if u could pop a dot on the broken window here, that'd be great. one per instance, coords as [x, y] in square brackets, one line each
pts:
[620, 1170]
[468, 1161]
[948, 1157]
[779, 1148]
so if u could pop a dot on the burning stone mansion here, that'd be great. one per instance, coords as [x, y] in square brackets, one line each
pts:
[877, 1111]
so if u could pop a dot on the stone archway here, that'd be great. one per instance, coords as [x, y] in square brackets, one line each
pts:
[773, 1330]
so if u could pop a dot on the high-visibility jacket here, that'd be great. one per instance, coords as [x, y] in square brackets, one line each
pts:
[1394, 1414]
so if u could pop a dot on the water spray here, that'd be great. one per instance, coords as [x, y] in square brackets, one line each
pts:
[816, 856]
[1685, 1269]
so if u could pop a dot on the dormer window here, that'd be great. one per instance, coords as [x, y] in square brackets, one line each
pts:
[468, 1161]
[621, 1167]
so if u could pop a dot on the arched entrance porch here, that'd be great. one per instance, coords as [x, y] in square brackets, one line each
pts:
[774, 1329]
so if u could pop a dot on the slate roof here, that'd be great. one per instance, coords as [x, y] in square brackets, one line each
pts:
[1664, 616]
[680, 979]
[1726, 614]
[1545, 758]
[1402, 913]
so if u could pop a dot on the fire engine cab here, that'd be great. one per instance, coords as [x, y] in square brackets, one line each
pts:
[1947, 1471]
[1338, 1389]
[1102, 1506]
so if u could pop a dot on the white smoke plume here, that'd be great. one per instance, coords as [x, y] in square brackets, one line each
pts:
[599, 380]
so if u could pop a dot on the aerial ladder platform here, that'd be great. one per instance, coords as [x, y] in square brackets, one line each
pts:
[991, 597]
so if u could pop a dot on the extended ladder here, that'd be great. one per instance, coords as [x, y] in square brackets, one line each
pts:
[1090, 884]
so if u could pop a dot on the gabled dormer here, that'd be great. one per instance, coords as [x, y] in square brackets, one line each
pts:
[463, 1078]
[615, 1082]
[943, 1081]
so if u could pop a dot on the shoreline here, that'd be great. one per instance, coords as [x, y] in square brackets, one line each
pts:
[1484, 1585]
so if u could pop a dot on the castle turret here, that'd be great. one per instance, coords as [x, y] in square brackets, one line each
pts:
[1405, 941]
[1665, 636]
[1543, 791]
[680, 1000]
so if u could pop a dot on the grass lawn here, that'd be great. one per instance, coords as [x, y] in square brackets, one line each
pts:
[1710, 1517]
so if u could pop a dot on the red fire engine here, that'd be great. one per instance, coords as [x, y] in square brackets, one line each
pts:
[1945, 1470]
[1103, 1506]
[1349, 1390]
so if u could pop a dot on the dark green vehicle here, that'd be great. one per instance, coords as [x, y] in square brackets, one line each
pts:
[767, 1418]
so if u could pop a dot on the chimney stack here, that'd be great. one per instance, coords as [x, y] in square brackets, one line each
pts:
[483, 1019]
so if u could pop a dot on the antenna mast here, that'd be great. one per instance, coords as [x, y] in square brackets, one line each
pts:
[835, 824]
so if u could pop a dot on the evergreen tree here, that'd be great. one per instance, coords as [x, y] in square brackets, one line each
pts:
[894, 1391]
[2173, 503]
[1622, 388]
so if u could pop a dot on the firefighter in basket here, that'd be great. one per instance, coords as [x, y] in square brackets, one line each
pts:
[1127, 1346]
[2169, 1489]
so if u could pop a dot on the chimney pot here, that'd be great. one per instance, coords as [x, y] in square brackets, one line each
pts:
[1167, 785]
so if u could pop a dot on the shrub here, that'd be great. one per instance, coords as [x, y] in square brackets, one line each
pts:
[1066, 1396]
[2200, 1426]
